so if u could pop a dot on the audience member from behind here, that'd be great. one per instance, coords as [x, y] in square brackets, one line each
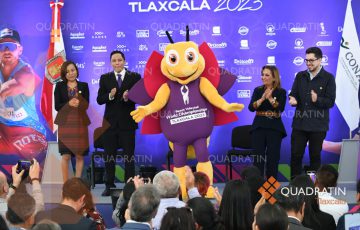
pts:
[270, 217]
[143, 206]
[254, 179]
[354, 211]
[314, 218]
[178, 219]
[67, 215]
[167, 183]
[21, 209]
[202, 182]
[294, 206]
[205, 215]
[118, 215]
[326, 180]
[46, 225]
[235, 208]
[4, 189]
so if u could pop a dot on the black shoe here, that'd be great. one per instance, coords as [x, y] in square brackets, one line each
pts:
[106, 192]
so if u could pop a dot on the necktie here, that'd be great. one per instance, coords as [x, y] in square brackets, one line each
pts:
[119, 80]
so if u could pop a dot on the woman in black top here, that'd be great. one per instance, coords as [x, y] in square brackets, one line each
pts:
[71, 102]
[268, 130]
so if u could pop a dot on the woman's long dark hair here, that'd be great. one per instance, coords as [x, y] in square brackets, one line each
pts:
[235, 209]
[204, 214]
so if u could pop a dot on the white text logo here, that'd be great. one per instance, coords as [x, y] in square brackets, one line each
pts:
[78, 35]
[142, 33]
[217, 45]
[243, 93]
[271, 44]
[243, 30]
[99, 35]
[99, 49]
[244, 61]
[159, 6]
[299, 44]
[324, 43]
[298, 61]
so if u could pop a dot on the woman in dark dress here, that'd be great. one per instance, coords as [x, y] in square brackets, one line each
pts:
[268, 130]
[71, 102]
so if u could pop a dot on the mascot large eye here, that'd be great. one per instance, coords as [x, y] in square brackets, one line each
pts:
[172, 57]
[191, 55]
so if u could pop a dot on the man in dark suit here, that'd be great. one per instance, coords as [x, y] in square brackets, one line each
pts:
[143, 206]
[119, 125]
[67, 214]
[313, 94]
[293, 204]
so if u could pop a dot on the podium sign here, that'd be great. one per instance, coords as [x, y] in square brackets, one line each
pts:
[348, 164]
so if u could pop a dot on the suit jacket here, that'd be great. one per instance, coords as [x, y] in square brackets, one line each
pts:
[294, 224]
[135, 226]
[117, 111]
[268, 122]
[63, 107]
[67, 218]
[313, 116]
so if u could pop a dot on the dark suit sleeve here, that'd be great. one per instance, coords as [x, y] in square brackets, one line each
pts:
[281, 100]
[295, 88]
[59, 102]
[84, 102]
[136, 77]
[256, 96]
[328, 100]
[103, 95]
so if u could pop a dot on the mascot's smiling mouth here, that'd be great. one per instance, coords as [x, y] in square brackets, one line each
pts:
[183, 78]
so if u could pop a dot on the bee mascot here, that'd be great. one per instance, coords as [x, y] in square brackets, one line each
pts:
[181, 93]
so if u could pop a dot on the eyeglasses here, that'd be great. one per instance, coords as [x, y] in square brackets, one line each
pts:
[11, 46]
[310, 60]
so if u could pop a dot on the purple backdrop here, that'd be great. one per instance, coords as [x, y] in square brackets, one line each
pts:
[245, 35]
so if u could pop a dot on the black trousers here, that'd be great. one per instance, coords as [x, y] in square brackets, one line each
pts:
[299, 141]
[267, 145]
[113, 138]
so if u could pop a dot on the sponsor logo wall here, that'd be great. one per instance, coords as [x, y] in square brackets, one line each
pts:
[244, 35]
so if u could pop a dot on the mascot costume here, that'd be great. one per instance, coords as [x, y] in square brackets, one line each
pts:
[181, 93]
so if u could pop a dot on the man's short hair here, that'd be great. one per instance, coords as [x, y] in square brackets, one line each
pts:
[288, 199]
[327, 176]
[74, 189]
[314, 50]
[21, 206]
[167, 183]
[144, 203]
[46, 225]
[117, 52]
